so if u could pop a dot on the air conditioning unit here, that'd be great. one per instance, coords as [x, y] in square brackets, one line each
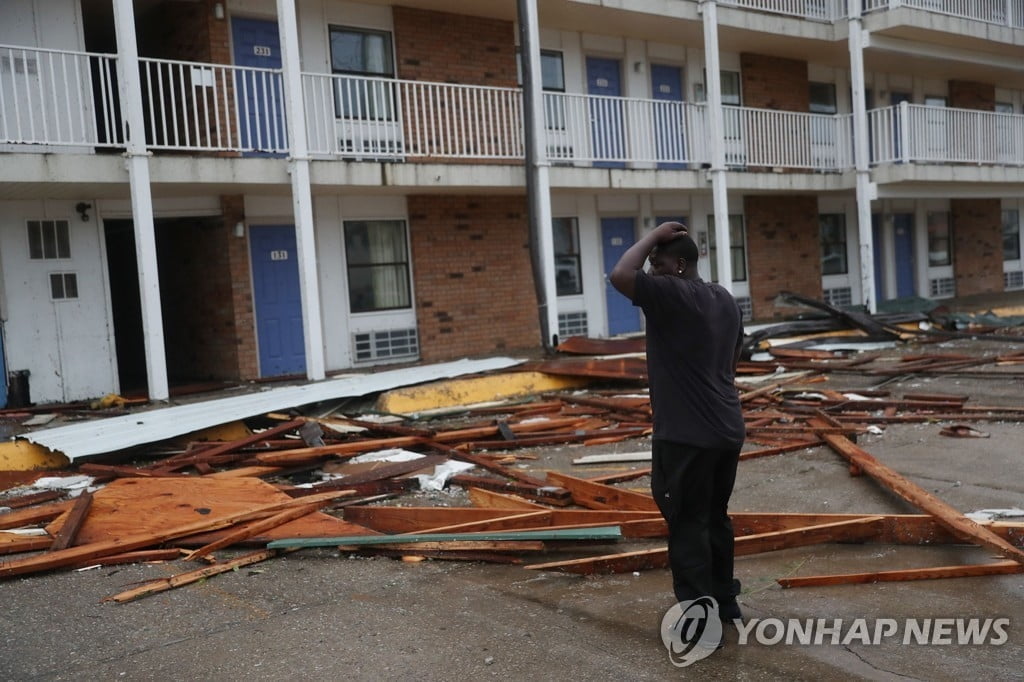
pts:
[387, 344]
[1013, 280]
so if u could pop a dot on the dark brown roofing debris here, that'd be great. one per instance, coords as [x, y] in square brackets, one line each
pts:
[257, 492]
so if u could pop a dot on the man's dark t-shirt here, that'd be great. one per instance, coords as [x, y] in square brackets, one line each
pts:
[693, 328]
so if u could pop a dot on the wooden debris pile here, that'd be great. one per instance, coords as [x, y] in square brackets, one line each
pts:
[210, 496]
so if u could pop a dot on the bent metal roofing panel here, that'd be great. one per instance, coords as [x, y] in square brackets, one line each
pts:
[116, 433]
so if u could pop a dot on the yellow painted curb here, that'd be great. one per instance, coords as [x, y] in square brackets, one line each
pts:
[472, 391]
[20, 455]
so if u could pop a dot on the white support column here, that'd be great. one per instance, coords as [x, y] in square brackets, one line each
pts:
[137, 162]
[302, 196]
[716, 128]
[538, 166]
[866, 189]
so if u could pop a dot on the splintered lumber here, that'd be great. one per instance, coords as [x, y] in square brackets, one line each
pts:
[598, 533]
[257, 528]
[459, 546]
[30, 499]
[997, 568]
[614, 458]
[76, 517]
[434, 519]
[447, 555]
[84, 553]
[208, 454]
[779, 449]
[33, 515]
[385, 470]
[141, 556]
[956, 522]
[489, 498]
[346, 449]
[15, 543]
[620, 477]
[181, 579]
[856, 529]
[600, 496]
[553, 495]
[530, 519]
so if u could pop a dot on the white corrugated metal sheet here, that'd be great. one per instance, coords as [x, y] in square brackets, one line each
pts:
[116, 433]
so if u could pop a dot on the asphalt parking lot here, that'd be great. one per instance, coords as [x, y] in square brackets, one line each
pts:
[321, 615]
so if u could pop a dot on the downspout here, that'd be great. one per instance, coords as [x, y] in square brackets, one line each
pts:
[716, 128]
[302, 197]
[866, 189]
[538, 184]
[137, 163]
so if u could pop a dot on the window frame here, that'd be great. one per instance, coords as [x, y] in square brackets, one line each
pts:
[52, 245]
[1014, 234]
[371, 265]
[572, 257]
[840, 246]
[935, 239]
[738, 252]
[378, 104]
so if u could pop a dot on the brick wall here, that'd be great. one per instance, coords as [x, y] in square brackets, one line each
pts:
[474, 288]
[783, 250]
[977, 245]
[972, 95]
[455, 48]
[774, 82]
[243, 328]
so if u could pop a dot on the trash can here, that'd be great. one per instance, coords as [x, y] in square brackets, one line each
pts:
[17, 388]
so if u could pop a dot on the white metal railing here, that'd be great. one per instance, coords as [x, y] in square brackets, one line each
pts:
[359, 117]
[1002, 12]
[820, 10]
[56, 97]
[916, 133]
[599, 129]
[786, 139]
[213, 107]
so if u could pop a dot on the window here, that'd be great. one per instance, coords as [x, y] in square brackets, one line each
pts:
[1011, 235]
[48, 239]
[833, 244]
[568, 281]
[552, 75]
[360, 52]
[63, 285]
[378, 265]
[939, 241]
[737, 247]
[823, 98]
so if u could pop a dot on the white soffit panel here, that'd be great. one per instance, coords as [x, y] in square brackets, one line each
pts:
[100, 436]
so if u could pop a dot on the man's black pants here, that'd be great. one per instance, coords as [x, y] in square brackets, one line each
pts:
[692, 487]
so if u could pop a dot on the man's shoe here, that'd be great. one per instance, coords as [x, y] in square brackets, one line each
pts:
[729, 611]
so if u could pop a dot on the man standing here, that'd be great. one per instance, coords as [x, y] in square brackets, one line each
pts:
[694, 335]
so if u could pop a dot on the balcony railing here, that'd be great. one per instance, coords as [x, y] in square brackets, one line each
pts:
[818, 10]
[939, 135]
[60, 98]
[1001, 12]
[212, 107]
[785, 139]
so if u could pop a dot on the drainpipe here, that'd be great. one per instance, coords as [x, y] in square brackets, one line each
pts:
[866, 189]
[538, 185]
[302, 197]
[716, 125]
[137, 163]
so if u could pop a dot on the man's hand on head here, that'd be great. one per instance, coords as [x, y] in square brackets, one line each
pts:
[669, 231]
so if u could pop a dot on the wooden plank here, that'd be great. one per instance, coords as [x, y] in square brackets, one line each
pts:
[15, 543]
[751, 544]
[553, 495]
[600, 496]
[349, 449]
[73, 523]
[997, 568]
[447, 555]
[780, 449]
[256, 528]
[614, 458]
[181, 579]
[599, 533]
[530, 519]
[389, 470]
[950, 518]
[490, 498]
[239, 472]
[84, 553]
[459, 546]
[139, 557]
[23, 501]
[622, 477]
[33, 515]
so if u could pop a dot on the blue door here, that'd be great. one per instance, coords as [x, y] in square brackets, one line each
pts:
[903, 250]
[669, 121]
[277, 300]
[876, 251]
[259, 94]
[616, 237]
[606, 116]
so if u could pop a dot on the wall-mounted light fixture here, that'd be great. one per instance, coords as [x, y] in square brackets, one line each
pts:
[638, 67]
[82, 207]
[218, 10]
[239, 229]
